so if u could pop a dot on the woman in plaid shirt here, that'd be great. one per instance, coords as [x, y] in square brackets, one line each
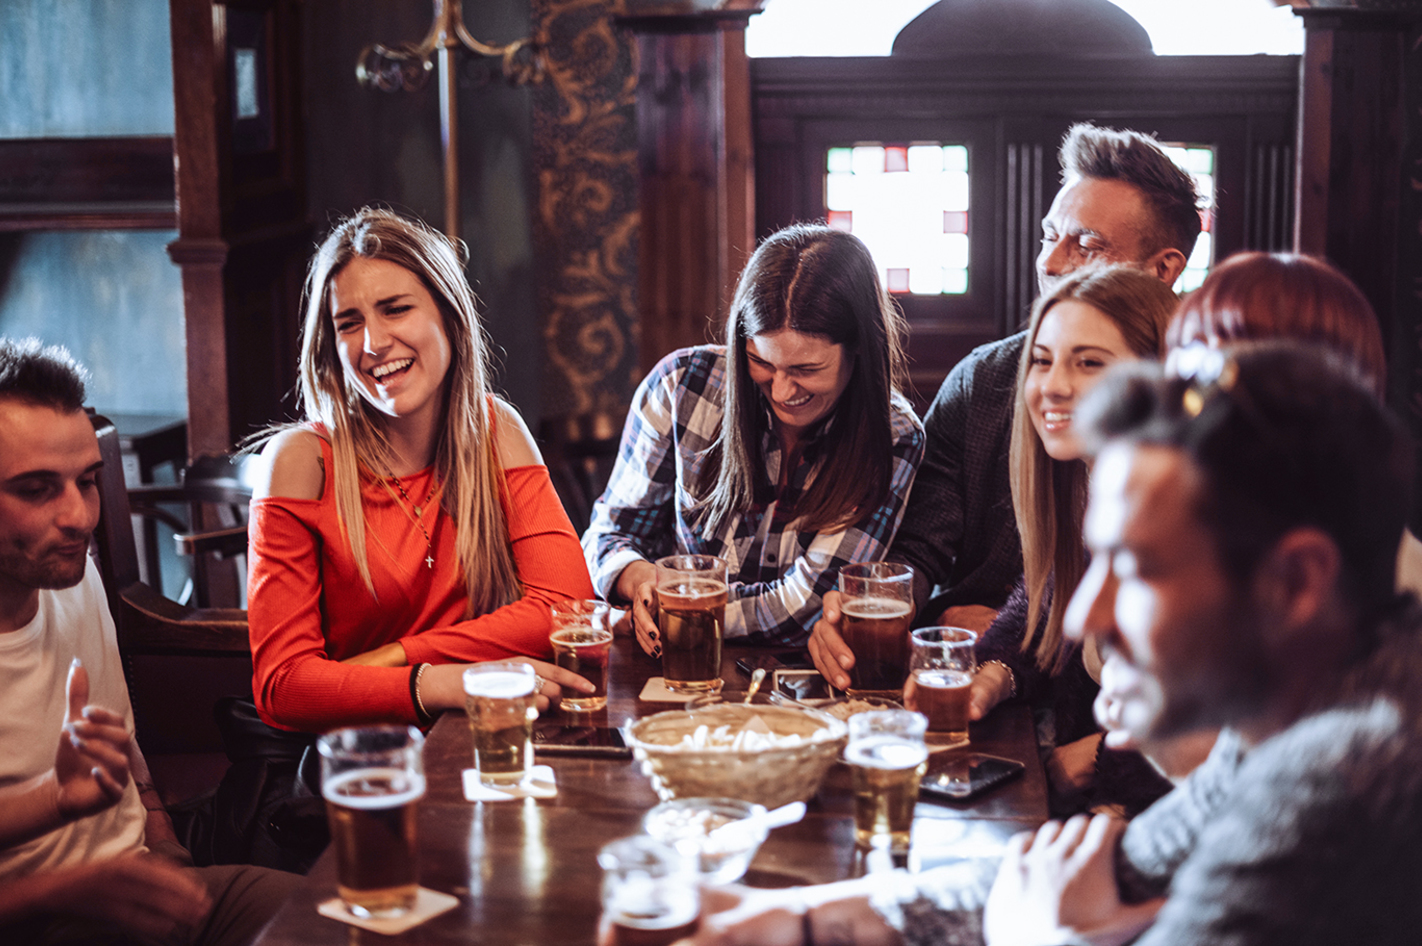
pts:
[789, 451]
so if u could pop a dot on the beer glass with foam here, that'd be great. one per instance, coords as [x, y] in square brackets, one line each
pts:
[877, 606]
[582, 643]
[940, 681]
[499, 699]
[372, 778]
[887, 757]
[650, 895]
[691, 616]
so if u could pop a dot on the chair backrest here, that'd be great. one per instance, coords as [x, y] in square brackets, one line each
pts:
[117, 551]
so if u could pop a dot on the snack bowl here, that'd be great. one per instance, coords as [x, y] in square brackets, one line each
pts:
[768, 754]
[721, 834]
[844, 707]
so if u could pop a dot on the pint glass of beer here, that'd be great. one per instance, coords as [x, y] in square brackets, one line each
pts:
[499, 699]
[649, 893]
[940, 680]
[886, 756]
[372, 778]
[582, 642]
[877, 606]
[691, 616]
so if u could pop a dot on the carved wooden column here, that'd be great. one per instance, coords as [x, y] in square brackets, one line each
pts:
[243, 235]
[696, 167]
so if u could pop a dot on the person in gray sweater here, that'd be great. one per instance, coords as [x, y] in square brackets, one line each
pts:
[1243, 523]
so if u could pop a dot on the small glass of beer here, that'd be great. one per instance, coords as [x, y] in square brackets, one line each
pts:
[649, 893]
[691, 615]
[582, 642]
[887, 757]
[372, 778]
[877, 606]
[941, 680]
[499, 699]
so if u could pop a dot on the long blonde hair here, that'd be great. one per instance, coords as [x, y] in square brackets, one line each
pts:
[466, 455]
[1049, 496]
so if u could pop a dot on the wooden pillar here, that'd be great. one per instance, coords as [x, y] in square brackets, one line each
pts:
[242, 231]
[696, 169]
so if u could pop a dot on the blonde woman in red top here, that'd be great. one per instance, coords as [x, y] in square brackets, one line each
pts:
[408, 527]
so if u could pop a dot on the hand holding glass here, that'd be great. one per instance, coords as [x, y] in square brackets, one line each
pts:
[941, 681]
[691, 618]
[877, 607]
[582, 643]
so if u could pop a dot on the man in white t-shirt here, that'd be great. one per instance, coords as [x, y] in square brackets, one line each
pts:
[116, 873]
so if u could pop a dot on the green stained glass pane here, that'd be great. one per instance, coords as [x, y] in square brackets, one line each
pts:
[955, 281]
[840, 160]
[955, 158]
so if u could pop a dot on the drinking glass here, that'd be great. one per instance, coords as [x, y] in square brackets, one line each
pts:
[582, 643]
[499, 699]
[649, 893]
[877, 605]
[941, 680]
[887, 757]
[691, 616]
[372, 778]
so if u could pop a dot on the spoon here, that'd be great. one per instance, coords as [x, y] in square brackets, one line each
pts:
[756, 679]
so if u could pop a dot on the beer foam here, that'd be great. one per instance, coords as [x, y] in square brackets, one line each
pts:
[943, 679]
[886, 752]
[700, 588]
[341, 791]
[498, 684]
[875, 607]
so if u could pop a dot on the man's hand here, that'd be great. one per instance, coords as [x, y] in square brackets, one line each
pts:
[1059, 886]
[832, 656]
[91, 764]
[146, 895]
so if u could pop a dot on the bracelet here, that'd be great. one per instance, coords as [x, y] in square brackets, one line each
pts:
[1011, 677]
[422, 714]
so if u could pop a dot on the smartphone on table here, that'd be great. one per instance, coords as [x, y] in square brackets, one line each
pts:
[964, 777]
[601, 741]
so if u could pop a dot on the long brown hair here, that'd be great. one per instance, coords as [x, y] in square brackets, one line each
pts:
[818, 281]
[466, 457]
[1049, 496]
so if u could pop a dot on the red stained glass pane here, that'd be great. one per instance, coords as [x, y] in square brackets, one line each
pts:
[841, 220]
[1207, 220]
[955, 221]
[898, 280]
[895, 159]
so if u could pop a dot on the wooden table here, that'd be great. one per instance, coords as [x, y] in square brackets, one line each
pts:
[526, 871]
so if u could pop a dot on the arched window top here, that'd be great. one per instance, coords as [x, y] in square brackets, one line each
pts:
[860, 28]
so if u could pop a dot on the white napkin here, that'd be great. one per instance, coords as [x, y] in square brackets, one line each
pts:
[428, 904]
[541, 783]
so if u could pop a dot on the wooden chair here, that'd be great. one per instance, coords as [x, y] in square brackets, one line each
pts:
[179, 660]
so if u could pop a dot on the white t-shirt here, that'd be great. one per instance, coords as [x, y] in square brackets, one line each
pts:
[34, 666]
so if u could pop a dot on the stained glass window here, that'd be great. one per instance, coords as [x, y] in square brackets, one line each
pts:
[1199, 161]
[909, 204]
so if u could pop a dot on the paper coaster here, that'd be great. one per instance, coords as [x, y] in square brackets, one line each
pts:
[655, 691]
[541, 783]
[428, 904]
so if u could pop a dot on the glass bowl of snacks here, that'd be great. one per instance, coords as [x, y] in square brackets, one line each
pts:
[721, 834]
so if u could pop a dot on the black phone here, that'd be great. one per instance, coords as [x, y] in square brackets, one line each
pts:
[780, 660]
[962, 777]
[601, 741]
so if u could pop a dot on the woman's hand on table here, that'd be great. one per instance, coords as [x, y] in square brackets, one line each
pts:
[991, 685]
[832, 656]
[442, 685]
[638, 584]
[1072, 767]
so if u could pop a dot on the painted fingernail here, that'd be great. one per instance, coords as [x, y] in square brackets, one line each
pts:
[656, 651]
[654, 635]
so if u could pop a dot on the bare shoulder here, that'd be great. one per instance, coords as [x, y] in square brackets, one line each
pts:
[516, 445]
[292, 467]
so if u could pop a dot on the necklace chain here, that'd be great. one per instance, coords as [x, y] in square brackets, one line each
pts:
[418, 516]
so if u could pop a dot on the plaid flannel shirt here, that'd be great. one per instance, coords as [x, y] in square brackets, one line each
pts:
[777, 574]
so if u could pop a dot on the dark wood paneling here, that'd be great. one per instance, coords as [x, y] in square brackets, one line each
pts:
[86, 183]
